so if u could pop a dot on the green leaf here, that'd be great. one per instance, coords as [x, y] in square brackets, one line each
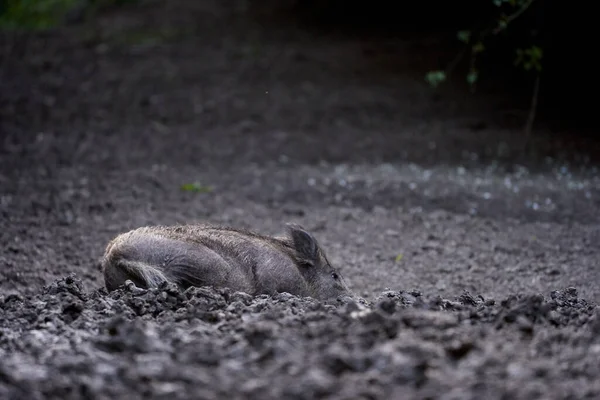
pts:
[478, 47]
[464, 36]
[472, 77]
[536, 52]
[529, 58]
[196, 188]
[398, 258]
[434, 78]
[502, 24]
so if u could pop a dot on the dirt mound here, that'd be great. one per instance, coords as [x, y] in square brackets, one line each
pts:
[206, 343]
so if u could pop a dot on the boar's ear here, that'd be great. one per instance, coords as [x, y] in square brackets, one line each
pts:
[305, 244]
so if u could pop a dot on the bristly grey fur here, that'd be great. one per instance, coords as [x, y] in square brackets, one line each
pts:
[212, 255]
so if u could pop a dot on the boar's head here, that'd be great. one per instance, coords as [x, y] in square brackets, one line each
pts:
[325, 281]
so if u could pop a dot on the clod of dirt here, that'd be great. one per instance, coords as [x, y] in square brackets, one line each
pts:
[204, 343]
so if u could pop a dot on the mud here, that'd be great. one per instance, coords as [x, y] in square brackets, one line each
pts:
[477, 262]
[206, 343]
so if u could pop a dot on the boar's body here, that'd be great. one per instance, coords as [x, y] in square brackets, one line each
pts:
[200, 255]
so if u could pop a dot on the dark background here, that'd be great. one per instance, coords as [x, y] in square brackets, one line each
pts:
[566, 33]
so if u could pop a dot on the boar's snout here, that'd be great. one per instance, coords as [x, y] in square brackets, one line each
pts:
[333, 285]
[326, 281]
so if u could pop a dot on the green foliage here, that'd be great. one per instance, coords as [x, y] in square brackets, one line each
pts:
[463, 36]
[196, 188]
[478, 48]
[45, 14]
[434, 78]
[33, 14]
[472, 77]
[528, 59]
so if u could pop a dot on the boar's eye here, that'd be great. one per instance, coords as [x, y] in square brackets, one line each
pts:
[335, 275]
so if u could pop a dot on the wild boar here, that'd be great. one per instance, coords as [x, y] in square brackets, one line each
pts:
[206, 255]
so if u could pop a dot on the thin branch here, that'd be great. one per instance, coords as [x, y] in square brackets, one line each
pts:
[484, 33]
[472, 67]
[513, 16]
[532, 111]
[455, 61]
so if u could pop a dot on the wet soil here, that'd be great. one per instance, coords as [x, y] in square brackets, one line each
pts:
[205, 343]
[478, 263]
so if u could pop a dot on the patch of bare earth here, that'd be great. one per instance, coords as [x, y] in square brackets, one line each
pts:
[417, 195]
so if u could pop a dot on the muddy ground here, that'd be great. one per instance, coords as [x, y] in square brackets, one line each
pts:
[479, 264]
